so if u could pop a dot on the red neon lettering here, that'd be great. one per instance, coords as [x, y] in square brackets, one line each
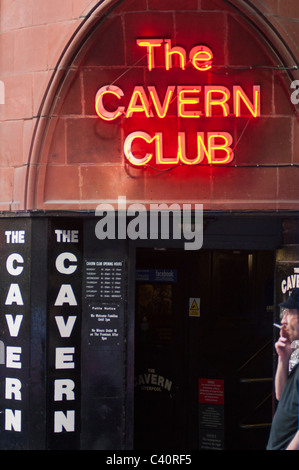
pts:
[133, 107]
[211, 101]
[187, 99]
[160, 159]
[161, 110]
[170, 51]
[210, 150]
[101, 111]
[182, 150]
[201, 58]
[128, 147]
[182, 101]
[150, 44]
[254, 107]
[224, 147]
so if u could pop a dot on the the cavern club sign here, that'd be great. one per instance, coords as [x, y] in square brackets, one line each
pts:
[187, 103]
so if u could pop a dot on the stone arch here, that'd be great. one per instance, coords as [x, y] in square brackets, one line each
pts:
[65, 72]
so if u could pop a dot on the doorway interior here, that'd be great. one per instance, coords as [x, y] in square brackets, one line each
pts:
[225, 337]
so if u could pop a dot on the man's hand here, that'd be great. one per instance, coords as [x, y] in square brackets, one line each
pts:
[284, 351]
[283, 345]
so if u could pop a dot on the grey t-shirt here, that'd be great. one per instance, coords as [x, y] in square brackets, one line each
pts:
[286, 418]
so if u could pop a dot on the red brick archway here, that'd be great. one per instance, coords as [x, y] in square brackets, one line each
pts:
[76, 161]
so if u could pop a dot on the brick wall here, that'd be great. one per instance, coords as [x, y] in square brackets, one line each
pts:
[56, 154]
[33, 36]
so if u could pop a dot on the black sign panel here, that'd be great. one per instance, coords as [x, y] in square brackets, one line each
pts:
[15, 267]
[103, 349]
[64, 333]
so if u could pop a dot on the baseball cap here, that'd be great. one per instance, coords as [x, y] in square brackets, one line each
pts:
[292, 301]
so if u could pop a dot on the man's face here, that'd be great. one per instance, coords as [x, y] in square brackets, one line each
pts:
[291, 318]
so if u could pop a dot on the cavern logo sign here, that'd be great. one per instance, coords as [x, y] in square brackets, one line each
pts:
[154, 103]
[290, 282]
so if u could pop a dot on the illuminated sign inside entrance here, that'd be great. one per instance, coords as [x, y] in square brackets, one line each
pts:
[192, 102]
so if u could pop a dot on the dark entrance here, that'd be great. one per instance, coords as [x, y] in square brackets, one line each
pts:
[227, 339]
[160, 351]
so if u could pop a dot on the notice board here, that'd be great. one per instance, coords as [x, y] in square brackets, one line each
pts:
[211, 414]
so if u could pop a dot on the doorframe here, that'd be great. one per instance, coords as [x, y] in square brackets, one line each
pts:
[227, 231]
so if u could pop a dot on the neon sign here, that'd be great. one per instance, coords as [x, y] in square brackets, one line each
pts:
[192, 102]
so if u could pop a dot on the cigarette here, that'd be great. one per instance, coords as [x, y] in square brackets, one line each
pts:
[277, 325]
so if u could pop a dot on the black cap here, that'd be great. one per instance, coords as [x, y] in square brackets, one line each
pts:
[292, 301]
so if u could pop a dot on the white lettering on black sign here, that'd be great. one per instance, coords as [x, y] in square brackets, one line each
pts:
[103, 280]
[103, 287]
[64, 335]
[15, 321]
